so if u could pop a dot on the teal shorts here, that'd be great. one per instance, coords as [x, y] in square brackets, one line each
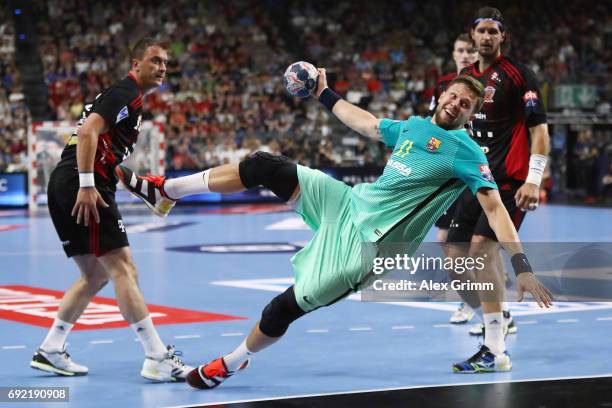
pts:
[331, 265]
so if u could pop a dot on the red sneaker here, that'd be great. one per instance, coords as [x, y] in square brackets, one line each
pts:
[212, 374]
[149, 189]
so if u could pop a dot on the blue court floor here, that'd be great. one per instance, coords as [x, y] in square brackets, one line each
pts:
[188, 261]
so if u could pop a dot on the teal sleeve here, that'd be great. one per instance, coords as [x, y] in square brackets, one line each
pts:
[390, 131]
[471, 167]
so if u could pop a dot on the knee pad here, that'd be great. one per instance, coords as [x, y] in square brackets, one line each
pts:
[279, 314]
[276, 173]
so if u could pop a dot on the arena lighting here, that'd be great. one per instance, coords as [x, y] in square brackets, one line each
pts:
[17, 11]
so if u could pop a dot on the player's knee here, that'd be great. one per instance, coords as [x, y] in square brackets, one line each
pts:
[124, 271]
[276, 173]
[279, 314]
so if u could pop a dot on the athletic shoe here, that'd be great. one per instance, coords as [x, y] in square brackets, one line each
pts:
[484, 362]
[509, 326]
[168, 368]
[149, 189]
[212, 374]
[58, 362]
[462, 315]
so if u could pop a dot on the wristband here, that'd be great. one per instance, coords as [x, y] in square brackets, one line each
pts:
[86, 180]
[520, 264]
[329, 98]
[537, 164]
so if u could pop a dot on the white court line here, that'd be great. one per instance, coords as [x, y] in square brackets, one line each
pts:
[604, 318]
[401, 327]
[13, 347]
[443, 325]
[188, 336]
[412, 387]
[101, 341]
[317, 331]
[360, 328]
[231, 334]
[526, 322]
[567, 321]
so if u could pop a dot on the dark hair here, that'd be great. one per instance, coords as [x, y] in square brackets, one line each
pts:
[464, 37]
[473, 85]
[489, 13]
[137, 52]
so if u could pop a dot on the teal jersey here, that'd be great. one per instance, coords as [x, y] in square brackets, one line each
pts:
[427, 171]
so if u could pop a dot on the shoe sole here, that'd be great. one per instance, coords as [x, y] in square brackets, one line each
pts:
[50, 369]
[129, 188]
[160, 379]
[485, 370]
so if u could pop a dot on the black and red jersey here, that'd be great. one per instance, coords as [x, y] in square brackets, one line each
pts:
[441, 86]
[121, 107]
[512, 105]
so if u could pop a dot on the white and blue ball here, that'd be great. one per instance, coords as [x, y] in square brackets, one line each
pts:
[300, 79]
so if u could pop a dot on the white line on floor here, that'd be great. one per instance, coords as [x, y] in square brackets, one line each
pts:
[401, 327]
[231, 334]
[13, 347]
[360, 328]
[317, 331]
[604, 318]
[101, 341]
[527, 322]
[567, 321]
[188, 336]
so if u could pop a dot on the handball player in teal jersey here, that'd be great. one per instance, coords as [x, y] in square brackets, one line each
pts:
[432, 163]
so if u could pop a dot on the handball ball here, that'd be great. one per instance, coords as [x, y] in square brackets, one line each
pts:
[300, 79]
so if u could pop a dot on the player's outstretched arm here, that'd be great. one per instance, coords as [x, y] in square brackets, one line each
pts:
[360, 120]
[500, 222]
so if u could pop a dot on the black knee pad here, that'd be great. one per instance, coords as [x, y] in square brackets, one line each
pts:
[276, 173]
[279, 314]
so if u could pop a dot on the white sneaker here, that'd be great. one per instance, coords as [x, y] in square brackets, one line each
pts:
[168, 368]
[58, 362]
[462, 315]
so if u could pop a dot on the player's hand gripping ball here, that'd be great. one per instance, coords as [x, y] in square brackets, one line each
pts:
[300, 79]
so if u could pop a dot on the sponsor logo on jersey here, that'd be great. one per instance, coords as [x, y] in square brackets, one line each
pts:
[486, 173]
[401, 167]
[433, 145]
[39, 306]
[530, 98]
[481, 116]
[489, 93]
[123, 113]
[495, 77]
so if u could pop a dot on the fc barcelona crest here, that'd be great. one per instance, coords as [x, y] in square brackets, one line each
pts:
[433, 144]
[488, 94]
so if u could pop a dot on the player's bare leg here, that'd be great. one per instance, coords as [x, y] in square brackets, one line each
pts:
[492, 356]
[161, 364]
[51, 355]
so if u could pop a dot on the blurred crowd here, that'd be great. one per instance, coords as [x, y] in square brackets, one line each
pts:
[223, 96]
[14, 116]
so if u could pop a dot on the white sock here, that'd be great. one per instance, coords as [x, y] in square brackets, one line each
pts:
[56, 338]
[235, 359]
[192, 184]
[494, 332]
[505, 307]
[152, 344]
[467, 308]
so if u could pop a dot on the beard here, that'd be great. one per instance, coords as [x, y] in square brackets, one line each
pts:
[445, 121]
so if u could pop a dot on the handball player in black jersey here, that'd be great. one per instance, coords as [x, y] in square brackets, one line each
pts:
[81, 200]
[511, 129]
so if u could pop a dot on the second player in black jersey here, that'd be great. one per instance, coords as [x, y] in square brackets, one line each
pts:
[511, 129]
[81, 199]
